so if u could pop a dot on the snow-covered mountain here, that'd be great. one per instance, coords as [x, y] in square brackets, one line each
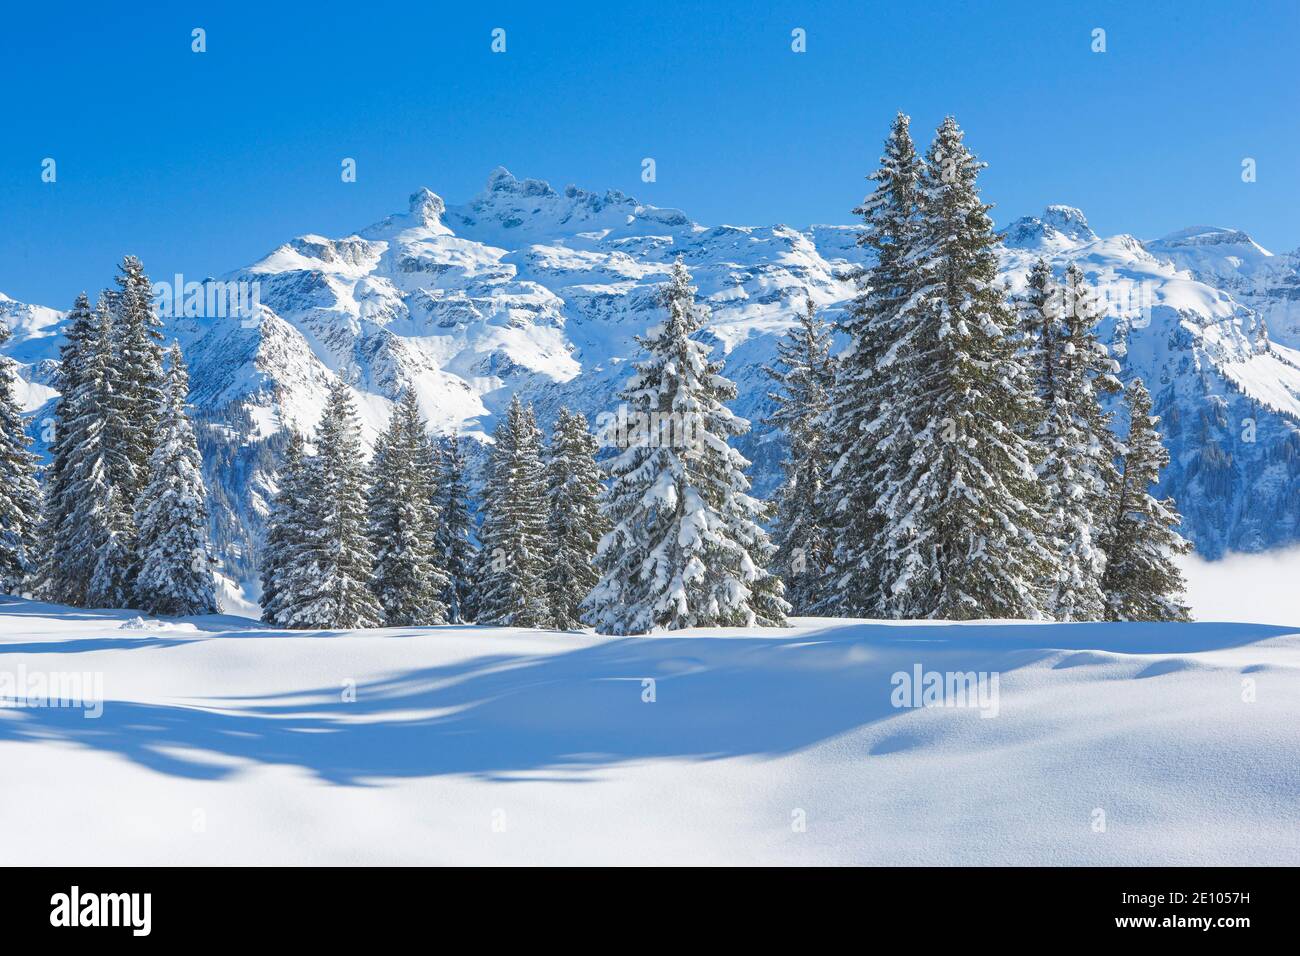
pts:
[532, 290]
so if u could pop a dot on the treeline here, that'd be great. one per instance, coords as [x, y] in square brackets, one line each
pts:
[392, 543]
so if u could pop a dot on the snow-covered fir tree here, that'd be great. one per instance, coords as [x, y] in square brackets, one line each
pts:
[456, 553]
[1040, 328]
[111, 529]
[1077, 470]
[19, 492]
[66, 571]
[139, 380]
[88, 517]
[1142, 582]
[962, 506]
[867, 427]
[514, 538]
[575, 523]
[403, 520]
[176, 563]
[285, 555]
[337, 591]
[805, 375]
[685, 547]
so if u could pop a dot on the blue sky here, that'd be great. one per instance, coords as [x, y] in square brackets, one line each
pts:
[200, 163]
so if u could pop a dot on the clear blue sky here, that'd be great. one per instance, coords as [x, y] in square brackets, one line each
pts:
[201, 163]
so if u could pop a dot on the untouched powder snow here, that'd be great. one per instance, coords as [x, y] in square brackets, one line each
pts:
[224, 742]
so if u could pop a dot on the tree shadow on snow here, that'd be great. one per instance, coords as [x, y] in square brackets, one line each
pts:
[560, 716]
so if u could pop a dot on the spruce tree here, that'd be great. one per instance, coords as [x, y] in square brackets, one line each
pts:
[107, 523]
[868, 429]
[515, 547]
[139, 382]
[1142, 582]
[92, 552]
[456, 553]
[403, 519]
[686, 548]
[65, 573]
[1077, 470]
[19, 491]
[963, 511]
[805, 376]
[1040, 312]
[171, 518]
[337, 591]
[284, 559]
[575, 524]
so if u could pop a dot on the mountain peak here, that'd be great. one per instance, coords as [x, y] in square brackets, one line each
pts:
[1205, 237]
[1057, 225]
[1069, 220]
[501, 180]
[427, 206]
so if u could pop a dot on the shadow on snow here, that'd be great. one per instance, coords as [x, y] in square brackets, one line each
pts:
[564, 714]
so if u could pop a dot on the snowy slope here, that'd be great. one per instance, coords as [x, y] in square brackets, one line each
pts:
[221, 742]
[1230, 260]
[539, 291]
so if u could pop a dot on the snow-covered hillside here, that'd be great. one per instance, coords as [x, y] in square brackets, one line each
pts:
[223, 742]
[531, 290]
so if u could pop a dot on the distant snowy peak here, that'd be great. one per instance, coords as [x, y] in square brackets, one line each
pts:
[1231, 260]
[510, 210]
[427, 207]
[35, 330]
[1213, 251]
[1057, 227]
[1214, 237]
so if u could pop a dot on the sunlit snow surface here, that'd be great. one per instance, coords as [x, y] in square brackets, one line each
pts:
[222, 742]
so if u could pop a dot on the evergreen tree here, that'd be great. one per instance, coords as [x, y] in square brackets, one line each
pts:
[403, 521]
[66, 572]
[456, 553]
[108, 525]
[284, 560]
[575, 524]
[868, 430]
[337, 591]
[175, 556]
[92, 553]
[19, 491]
[1142, 582]
[515, 547]
[962, 508]
[686, 548]
[1040, 311]
[805, 376]
[139, 382]
[1077, 470]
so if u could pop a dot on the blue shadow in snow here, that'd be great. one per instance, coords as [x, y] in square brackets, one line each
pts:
[502, 715]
